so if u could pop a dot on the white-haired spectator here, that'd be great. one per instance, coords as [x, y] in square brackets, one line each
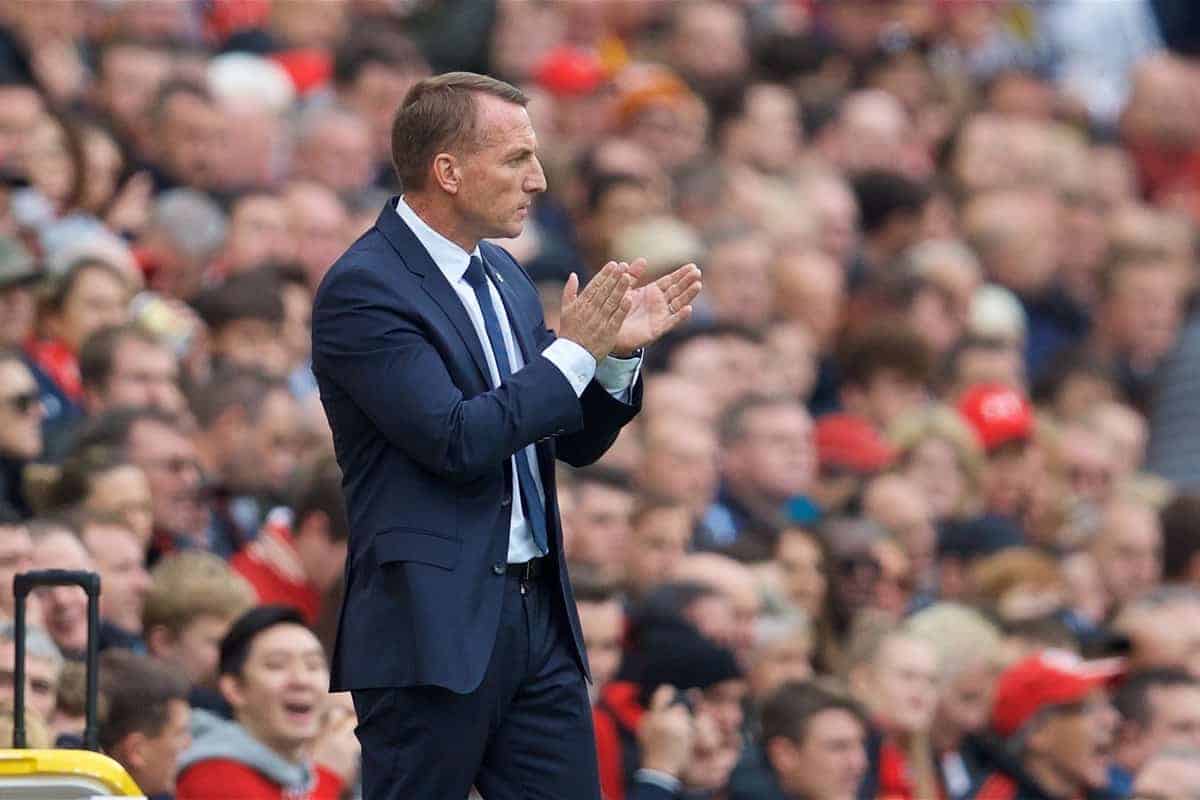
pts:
[187, 229]
[333, 148]
[43, 669]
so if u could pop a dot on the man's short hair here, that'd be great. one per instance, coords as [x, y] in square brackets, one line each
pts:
[375, 45]
[883, 346]
[1132, 697]
[732, 425]
[1180, 521]
[882, 194]
[235, 647]
[177, 86]
[113, 428]
[188, 585]
[438, 115]
[319, 488]
[247, 295]
[98, 352]
[788, 711]
[602, 475]
[590, 586]
[234, 386]
[137, 692]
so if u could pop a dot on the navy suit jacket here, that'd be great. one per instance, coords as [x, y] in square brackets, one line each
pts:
[424, 442]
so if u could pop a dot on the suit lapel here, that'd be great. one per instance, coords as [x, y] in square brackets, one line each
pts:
[417, 259]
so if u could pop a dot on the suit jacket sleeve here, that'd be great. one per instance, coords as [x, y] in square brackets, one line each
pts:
[376, 348]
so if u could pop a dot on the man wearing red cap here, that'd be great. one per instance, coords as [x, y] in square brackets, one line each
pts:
[1054, 710]
[1003, 421]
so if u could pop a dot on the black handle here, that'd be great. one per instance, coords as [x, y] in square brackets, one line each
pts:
[23, 584]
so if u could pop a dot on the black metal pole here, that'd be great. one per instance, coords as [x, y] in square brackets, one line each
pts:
[91, 733]
[20, 592]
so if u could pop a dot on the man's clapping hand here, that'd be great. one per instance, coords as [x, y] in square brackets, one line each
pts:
[592, 318]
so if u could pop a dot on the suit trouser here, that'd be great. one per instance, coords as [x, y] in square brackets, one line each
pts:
[525, 733]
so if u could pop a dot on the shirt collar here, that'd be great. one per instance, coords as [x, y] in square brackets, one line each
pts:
[451, 259]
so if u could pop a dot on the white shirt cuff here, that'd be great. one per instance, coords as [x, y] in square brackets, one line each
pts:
[617, 375]
[575, 363]
[660, 779]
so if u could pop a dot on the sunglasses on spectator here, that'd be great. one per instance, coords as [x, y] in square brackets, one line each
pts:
[24, 402]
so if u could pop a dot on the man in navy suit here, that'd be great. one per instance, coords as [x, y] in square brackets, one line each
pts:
[449, 402]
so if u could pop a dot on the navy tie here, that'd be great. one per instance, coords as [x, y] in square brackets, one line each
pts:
[535, 511]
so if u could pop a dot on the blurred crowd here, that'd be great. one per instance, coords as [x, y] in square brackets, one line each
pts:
[911, 509]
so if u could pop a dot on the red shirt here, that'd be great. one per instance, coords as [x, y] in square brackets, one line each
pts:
[222, 779]
[272, 566]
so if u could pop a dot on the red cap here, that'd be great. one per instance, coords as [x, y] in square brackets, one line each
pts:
[850, 442]
[570, 71]
[309, 68]
[999, 414]
[1049, 678]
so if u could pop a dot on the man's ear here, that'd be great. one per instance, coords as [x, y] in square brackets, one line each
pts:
[130, 751]
[231, 689]
[781, 755]
[447, 173]
[160, 642]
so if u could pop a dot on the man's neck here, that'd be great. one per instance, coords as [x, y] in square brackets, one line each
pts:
[1052, 781]
[439, 216]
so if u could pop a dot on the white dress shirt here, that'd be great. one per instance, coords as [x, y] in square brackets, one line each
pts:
[577, 365]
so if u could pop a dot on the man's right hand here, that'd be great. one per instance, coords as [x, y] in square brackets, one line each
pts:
[592, 318]
[665, 734]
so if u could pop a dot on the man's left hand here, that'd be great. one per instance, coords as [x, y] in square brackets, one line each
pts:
[658, 307]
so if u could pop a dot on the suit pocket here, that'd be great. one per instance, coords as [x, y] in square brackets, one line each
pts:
[413, 544]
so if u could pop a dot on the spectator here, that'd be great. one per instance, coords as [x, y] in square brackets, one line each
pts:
[188, 131]
[98, 481]
[969, 660]
[814, 746]
[602, 618]
[782, 653]
[769, 458]
[937, 451]
[318, 224]
[301, 551]
[804, 572]
[119, 556]
[895, 677]
[244, 316]
[886, 371]
[660, 533]
[1162, 629]
[16, 556]
[43, 670]
[809, 287]
[679, 462]
[56, 545]
[669, 653]
[1003, 420]
[20, 430]
[249, 444]
[849, 453]
[159, 444]
[600, 521]
[1180, 546]
[145, 726]
[899, 506]
[1169, 773]
[257, 234]
[87, 297]
[18, 308]
[1056, 710]
[126, 366]
[194, 598]
[1128, 550]
[1160, 709]
[891, 207]
[285, 739]
[184, 232]
[736, 582]
[737, 271]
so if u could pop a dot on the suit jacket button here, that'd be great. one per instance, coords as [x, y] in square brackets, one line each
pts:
[498, 568]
